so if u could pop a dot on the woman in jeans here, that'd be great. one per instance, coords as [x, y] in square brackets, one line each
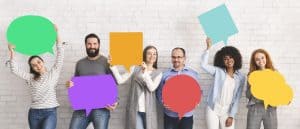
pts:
[42, 83]
[141, 109]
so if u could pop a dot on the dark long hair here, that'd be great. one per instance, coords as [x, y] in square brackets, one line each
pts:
[36, 75]
[145, 54]
[228, 51]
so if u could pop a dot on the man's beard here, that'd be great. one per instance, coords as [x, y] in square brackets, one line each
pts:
[92, 52]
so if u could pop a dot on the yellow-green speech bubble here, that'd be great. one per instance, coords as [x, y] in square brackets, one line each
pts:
[126, 48]
[32, 35]
[270, 86]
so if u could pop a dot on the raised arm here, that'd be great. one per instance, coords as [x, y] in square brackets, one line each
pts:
[14, 66]
[204, 59]
[59, 52]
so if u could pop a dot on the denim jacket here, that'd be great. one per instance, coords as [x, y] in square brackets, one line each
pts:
[219, 75]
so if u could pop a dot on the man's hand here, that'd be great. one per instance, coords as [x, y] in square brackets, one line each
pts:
[69, 84]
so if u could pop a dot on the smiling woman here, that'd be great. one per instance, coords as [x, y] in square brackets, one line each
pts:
[141, 109]
[224, 95]
[37, 67]
[257, 112]
[42, 83]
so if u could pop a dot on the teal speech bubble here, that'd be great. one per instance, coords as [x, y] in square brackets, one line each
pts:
[32, 35]
[218, 24]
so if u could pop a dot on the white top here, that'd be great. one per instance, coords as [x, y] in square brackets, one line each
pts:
[226, 94]
[151, 84]
[43, 90]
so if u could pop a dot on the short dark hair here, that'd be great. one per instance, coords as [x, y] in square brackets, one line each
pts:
[36, 75]
[145, 54]
[228, 51]
[91, 35]
[179, 48]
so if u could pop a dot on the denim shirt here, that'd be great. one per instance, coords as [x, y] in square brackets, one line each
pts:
[219, 75]
[167, 75]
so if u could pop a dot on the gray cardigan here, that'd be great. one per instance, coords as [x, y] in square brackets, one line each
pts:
[153, 111]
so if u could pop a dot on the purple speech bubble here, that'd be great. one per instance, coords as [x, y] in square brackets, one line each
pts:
[91, 92]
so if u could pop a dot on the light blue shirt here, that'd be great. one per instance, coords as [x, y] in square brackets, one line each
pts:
[219, 75]
[168, 74]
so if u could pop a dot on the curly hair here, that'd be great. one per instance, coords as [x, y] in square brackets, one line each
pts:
[228, 51]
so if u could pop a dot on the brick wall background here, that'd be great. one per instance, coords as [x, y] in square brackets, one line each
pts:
[270, 24]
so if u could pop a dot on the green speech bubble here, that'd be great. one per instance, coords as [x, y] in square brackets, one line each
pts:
[32, 35]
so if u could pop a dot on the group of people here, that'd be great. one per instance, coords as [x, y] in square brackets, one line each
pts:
[146, 84]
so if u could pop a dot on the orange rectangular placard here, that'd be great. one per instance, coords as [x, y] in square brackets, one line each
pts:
[126, 48]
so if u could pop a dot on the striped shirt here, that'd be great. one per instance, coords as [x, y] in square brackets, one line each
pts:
[43, 90]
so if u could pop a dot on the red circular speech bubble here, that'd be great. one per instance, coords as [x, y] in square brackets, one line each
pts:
[181, 94]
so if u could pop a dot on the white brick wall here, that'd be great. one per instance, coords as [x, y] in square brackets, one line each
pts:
[270, 24]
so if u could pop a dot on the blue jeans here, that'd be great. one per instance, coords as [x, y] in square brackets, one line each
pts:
[175, 123]
[42, 118]
[99, 118]
[141, 120]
